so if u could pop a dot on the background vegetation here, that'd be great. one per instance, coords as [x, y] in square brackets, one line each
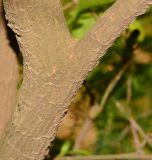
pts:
[112, 113]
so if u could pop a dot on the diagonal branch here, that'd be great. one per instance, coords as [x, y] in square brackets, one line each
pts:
[108, 27]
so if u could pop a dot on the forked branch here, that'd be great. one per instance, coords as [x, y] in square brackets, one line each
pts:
[54, 68]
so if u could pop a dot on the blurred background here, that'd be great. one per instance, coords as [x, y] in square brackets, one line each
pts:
[112, 112]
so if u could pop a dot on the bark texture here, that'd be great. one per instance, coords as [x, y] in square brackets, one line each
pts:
[8, 74]
[55, 66]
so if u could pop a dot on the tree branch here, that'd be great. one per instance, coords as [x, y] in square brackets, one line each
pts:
[108, 27]
[54, 68]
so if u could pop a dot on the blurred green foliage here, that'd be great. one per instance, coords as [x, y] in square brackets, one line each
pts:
[113, 126]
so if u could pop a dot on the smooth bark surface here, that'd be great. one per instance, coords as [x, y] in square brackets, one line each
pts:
[8, 74]
[55, 66]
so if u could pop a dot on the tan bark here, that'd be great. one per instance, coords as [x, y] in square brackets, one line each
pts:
[8, 74]
[55, 66]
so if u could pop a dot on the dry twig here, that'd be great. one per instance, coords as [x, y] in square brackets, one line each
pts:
[110, 157]
[70, 4]
[96, 109]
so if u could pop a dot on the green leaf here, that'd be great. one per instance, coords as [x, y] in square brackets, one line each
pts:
[65, 147]
[85, 6]
[88, 4]
[83, 25]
